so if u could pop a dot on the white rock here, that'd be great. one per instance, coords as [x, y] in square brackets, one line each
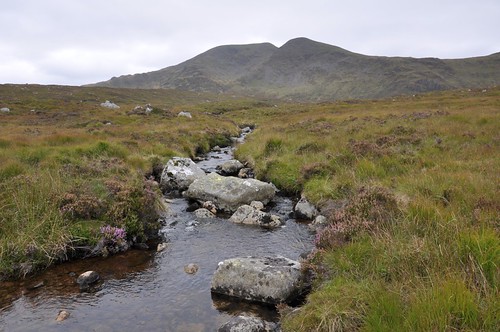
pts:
[179, 173]
[185, 114]
[305, 210]
[161, 246]
[110, 105]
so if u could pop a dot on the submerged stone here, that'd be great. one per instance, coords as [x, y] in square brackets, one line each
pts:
[63, 315]
[191, 268]
[85, 279]
[248, 324]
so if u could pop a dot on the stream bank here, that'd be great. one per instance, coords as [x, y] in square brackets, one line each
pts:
[149, 289]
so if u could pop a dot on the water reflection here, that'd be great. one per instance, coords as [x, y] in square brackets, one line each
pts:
[60, 280]
[235, 307]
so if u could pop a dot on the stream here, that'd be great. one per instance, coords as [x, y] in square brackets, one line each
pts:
[145, 289]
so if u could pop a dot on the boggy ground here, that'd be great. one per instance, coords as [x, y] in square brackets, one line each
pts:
[409, 187]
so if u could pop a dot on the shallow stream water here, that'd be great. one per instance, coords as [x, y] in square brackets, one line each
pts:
[146, 290]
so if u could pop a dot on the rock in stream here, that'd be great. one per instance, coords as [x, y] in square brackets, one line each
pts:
[179, 173]
[229, 193]
[270, 280]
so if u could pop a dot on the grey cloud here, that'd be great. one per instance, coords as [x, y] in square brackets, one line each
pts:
[78, 42]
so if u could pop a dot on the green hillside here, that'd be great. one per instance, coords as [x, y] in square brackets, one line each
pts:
[305, 70]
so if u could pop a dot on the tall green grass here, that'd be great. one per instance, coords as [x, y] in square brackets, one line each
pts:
[33, 232]
[434, 265]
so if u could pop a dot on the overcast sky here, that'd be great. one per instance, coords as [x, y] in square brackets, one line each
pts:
[76, 42]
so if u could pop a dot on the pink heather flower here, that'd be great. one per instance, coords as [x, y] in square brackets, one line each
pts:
[113, 234]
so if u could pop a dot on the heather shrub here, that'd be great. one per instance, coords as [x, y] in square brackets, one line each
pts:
[76, 205]
[113, 235]
[311, 147]
[310, 170]
[369, 209]
[135, 206]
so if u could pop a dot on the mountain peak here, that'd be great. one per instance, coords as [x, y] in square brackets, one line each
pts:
[312, 45]
[304, 69]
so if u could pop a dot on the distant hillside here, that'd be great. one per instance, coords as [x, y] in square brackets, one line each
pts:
[303, 69]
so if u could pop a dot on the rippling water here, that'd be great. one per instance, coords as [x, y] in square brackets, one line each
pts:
[149, 290]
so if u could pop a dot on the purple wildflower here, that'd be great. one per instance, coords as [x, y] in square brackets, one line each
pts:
[113, 234]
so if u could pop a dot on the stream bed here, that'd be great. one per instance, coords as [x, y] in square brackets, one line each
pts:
[145, 289]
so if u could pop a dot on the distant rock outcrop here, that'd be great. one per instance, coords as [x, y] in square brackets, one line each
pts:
[109, 104]
[185, 115]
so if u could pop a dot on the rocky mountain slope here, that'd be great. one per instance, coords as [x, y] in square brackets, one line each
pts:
[303, 69]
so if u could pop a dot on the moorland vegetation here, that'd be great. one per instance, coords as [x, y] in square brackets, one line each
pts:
[410, 190]
[69, 166]
[409, 186]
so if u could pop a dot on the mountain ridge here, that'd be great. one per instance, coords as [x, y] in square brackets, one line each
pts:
[303, 69]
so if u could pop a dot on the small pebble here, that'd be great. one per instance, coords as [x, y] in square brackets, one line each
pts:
[63, 315]
[161, 246]
[191, 268]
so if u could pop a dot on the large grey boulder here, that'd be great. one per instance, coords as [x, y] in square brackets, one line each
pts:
[248, 324]
[179, 173]
[228, 192]
[252, 215]
[267, 279]
[305, 210]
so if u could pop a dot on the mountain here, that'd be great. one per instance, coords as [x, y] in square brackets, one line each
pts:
[303, 69]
